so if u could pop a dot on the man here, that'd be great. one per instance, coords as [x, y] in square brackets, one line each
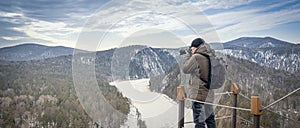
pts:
[198, 66]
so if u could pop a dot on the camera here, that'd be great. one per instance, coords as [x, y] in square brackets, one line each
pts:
[182, 51]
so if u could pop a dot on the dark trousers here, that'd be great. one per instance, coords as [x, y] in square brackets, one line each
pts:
[203, 114]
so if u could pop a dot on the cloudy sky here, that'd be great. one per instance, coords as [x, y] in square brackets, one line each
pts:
[101, 24]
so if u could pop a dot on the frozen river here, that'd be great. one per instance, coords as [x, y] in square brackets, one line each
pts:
[157, 110]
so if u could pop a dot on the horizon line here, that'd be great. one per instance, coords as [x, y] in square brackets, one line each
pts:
[45, 44]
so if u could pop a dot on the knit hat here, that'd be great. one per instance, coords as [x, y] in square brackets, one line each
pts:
[197, 42]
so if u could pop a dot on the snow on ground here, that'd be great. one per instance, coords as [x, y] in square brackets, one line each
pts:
[132, 118]
[157, 110]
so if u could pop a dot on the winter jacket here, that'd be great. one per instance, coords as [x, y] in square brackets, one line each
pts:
[197, 65]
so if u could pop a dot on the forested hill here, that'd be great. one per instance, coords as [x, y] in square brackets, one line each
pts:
[41, 93]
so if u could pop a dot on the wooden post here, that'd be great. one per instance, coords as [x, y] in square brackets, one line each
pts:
[235, 89]
[235, 92]
[180, 98]
[255, 110]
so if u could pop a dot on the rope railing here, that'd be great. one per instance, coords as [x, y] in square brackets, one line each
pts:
[224, 106]
[188, 122]
[223, 93]
[281, 98]
[217, 118]
[256, 107]
[226, 117]
[181, 96]
[223, 117]
[268, 109]
[245, 96]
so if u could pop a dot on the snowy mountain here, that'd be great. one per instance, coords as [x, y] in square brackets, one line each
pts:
[131, 62]
[150, 62]
[26, 52]
[256, 42]
[266, 51]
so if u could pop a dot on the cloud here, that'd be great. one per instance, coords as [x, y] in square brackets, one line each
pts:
[55, 21]
[46, 21]
[23, 26]
[219, 4]
[52, 11]
[256, 19]
[182, 19]
[12, 37]
[61, 22]
[140, 13]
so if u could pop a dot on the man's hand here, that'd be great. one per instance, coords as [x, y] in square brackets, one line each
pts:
[186, 52]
